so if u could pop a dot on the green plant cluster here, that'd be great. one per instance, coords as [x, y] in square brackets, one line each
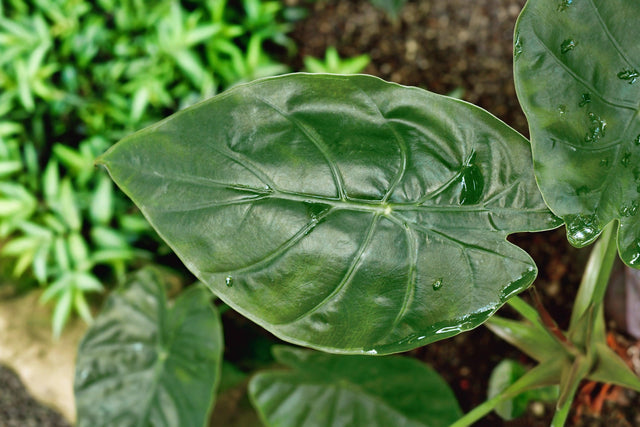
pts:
[334, 64]
[75, 76]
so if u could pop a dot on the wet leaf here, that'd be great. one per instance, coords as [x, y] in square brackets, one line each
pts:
[576, 72]
[337, 390]
[144, 363]
[341, 212]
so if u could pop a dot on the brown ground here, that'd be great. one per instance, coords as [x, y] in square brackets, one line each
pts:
[440, 45]
[44, 364]
[19, 409]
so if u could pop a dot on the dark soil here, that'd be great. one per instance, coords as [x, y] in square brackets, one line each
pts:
[19, 409]
[440, 45]
[443, 45]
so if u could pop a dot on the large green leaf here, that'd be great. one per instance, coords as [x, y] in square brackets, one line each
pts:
[144, 363]
[352, 391]
[341, 212]
[576, 70]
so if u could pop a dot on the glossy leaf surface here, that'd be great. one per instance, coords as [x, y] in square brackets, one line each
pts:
[144, 363]
[352, 391]
[341, 212]
[576, 70]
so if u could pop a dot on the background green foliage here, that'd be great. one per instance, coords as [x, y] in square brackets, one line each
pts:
[334, 64]
[77, 76]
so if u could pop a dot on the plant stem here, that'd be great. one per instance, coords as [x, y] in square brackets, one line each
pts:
[596, 275]
[539, 376]
[561, 415]
[525, 310]
[541, 318]
[479, 411]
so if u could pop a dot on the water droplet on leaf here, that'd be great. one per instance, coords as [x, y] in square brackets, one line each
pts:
[596, 129]
[314, 210]
[604, 163]
[562, 109]
[450, 329]
[564, 4]
[626, 159]
[631, 76]
[517, 47]
[629, 209]
[582, 229]
[586, 99]
[436, 285]
[637, 140]
[229, 281]
[568, 45]
[472, 183]
[631, 253]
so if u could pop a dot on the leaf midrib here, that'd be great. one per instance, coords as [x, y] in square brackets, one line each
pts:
[347, 203]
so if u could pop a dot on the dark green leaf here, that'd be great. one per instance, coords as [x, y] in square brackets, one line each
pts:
[341, 212]
[143, 363]
[576, 71]
[331, 390]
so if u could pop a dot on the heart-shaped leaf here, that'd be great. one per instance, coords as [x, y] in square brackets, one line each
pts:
[336, 390]
[341, 212]
[577, 67]
[143, 363]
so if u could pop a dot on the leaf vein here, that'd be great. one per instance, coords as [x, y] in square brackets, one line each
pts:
[348, 276]
[612, 39]
[583, 82]
[412, 255]
[248, 165]
[402, 146]
[288, 244]
[216, 204]
[316, 141]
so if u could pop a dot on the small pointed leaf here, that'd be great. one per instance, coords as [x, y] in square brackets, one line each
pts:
[610, 368]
